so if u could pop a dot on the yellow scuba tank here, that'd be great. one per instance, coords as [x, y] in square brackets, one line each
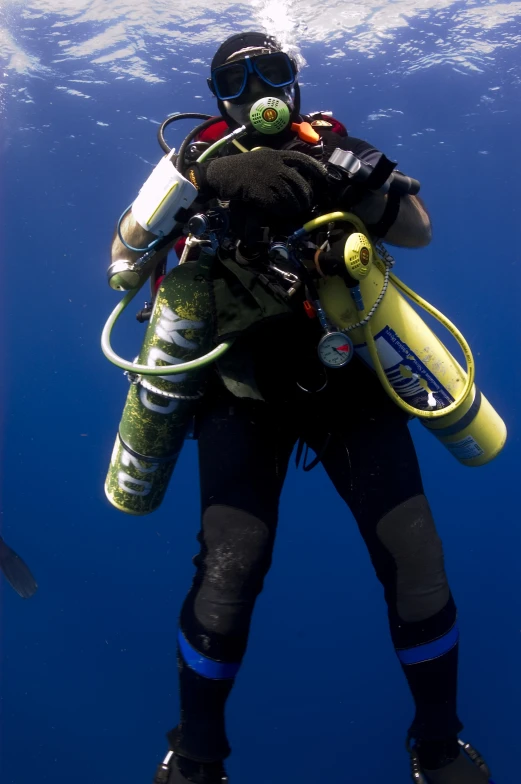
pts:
[416, 369]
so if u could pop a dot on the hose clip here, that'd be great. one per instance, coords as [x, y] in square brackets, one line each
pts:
[132, 378]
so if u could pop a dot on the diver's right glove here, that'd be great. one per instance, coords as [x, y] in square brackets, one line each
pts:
[275, 181]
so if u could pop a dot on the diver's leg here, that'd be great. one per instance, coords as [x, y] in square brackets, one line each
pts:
[243, 459]
[373, 465]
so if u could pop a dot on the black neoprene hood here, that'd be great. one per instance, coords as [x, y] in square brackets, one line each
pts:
[243, 41]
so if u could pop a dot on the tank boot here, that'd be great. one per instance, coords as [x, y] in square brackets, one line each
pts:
[459, 765]
[178, 770]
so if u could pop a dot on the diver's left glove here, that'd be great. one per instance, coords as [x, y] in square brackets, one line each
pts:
[275, 181]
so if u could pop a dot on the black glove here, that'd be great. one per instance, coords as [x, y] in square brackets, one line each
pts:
[274, 181]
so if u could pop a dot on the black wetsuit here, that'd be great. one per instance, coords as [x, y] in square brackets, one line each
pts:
[366, 449]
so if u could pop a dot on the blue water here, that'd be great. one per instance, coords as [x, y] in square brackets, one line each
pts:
[88, 677]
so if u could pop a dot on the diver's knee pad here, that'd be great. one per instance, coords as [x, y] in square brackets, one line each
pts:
[236, 555]
[409, 534]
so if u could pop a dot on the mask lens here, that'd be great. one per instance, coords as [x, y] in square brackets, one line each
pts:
[275, 69]
[229, 80]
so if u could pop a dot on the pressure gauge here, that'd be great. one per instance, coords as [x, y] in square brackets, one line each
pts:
[335, 349]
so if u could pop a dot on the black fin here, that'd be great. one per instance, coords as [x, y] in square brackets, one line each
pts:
[17, 572]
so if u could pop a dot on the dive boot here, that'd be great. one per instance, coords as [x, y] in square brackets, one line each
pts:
[469, 767]
[178, 770]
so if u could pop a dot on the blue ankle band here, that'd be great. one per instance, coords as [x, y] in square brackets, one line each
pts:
[208, 668]
[431, 650]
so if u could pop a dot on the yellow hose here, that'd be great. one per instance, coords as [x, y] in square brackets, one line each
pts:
[368, 335]
[239, 146]
[335, 216]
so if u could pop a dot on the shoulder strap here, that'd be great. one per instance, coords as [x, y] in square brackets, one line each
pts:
[213, 133]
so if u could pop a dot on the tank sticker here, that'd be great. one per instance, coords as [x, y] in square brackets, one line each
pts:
[169, 324]
[466, 449]
[140, 487]
[131, 484]
[156, 355]
[128, 460]
[407, 374]
[168, 408]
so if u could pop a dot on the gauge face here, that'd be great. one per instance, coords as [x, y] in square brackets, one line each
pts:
[335, 349]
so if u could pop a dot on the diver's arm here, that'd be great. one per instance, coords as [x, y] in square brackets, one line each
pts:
[411, 229]
[155, 218]
[138, 237]
[130, 268]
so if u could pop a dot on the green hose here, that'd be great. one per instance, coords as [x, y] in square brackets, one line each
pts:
[145, 370]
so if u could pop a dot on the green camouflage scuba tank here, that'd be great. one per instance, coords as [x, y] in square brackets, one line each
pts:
[159, 409]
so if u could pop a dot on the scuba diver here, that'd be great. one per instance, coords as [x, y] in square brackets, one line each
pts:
[271, 391]
[16, 572]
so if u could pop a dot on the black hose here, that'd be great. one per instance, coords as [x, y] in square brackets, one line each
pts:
[191, 136]
[182, 116]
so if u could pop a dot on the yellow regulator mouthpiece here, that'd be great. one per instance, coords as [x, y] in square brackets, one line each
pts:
[358, 255]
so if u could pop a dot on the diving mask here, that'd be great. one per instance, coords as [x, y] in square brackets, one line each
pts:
[230, 81]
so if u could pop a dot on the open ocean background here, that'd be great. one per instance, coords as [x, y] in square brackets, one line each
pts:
[88, 677]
